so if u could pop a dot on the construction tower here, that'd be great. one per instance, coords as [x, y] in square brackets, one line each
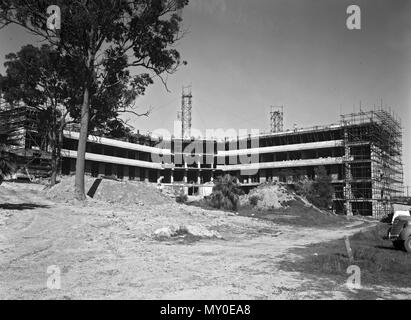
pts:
[185, 114]
[277, 119]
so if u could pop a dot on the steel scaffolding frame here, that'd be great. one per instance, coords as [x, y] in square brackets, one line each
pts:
[372, 162]
[277, 119]
[33, 148]
[185, 114]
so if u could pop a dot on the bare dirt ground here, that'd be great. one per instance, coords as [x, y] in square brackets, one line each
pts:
[108, 252]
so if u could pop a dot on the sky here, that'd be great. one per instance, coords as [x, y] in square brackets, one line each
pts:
[244, 56]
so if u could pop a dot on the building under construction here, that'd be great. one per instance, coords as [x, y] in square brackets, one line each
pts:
[373, 172]
[361, 152]
[31, 149]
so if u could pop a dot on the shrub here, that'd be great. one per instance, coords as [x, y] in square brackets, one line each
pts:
[320, 191]
[253, 200]
[302, 187]
[225, 193]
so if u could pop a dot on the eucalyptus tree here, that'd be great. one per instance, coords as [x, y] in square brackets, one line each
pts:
[125, 35]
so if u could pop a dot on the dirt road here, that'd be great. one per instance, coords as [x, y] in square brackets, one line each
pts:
[109, 252]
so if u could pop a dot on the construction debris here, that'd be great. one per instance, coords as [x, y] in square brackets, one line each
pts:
[197, 231]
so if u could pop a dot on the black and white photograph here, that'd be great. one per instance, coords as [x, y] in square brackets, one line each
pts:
[205, 151]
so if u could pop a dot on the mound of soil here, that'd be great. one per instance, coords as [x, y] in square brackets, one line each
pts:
[64, 190]
[275, 202]
[268, 196]
[111, 191]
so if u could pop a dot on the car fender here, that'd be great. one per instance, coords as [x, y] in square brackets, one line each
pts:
[405, 233]
[399, 214]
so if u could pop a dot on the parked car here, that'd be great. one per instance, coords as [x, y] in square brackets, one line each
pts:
[400, 233]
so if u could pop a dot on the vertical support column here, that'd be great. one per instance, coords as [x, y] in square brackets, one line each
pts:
[101, 168]
[374, 184]
[198, 172]
[380, 205]
[72, 166]
[376, 208]
[126, 173]
[248, 177]
[263, 176]
[172, 176]
[348, 177]
[138, 174]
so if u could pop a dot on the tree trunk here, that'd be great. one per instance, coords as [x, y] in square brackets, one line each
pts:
[53, 179]
[60, 140]
[56, 151]
[79, 190]
[53, 142]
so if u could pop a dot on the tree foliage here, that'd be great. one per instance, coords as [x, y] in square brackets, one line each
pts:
[320, 191]
[35, 76]
[226, 193]
[104, 39]
[40, 78]
[7, 139]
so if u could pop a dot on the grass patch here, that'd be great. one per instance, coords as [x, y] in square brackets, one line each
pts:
[380, 263]
[296, 213]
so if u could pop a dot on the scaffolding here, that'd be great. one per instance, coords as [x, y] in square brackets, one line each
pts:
[185, 114]
[32, 148]
[277, 119]
[373, 172]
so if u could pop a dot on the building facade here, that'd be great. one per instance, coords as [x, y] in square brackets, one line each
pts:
[362, 154]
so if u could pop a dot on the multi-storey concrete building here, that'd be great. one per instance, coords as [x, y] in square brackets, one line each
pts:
[362, 154]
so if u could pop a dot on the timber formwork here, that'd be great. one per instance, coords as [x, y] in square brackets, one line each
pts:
[373, 172]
